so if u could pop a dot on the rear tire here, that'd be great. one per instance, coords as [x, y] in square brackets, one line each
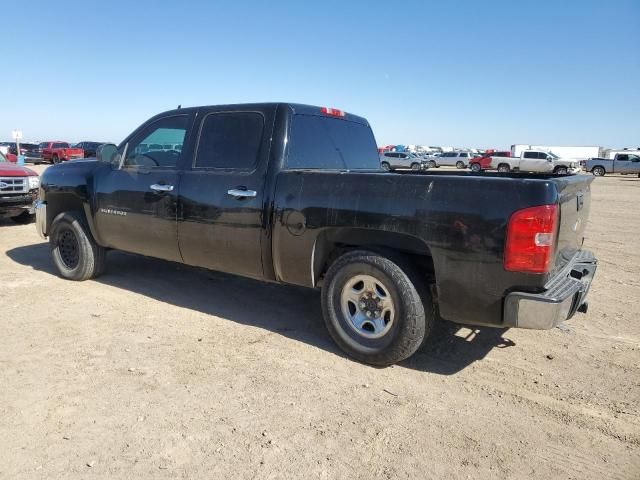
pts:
[24, 218]
[385, 166]
[475, 167]
[361, 282]
[598, 171]
[75, 253]
[460, 165]
[504, 168]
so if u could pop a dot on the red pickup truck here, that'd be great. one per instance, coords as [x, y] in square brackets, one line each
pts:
[485, 162]
[56, 152]
[18, 190]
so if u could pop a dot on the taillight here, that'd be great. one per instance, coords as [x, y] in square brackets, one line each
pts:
[333, 112]
[531, 239]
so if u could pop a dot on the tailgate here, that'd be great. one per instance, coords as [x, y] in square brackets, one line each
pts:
[575, 202]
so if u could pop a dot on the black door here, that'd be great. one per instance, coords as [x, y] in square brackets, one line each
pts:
[222, 193]
[137, 203]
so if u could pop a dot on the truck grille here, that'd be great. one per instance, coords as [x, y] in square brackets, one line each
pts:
[14, 185]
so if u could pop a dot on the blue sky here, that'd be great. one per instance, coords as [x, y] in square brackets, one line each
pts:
[485, 74]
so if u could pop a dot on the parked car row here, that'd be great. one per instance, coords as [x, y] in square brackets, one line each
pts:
[536, 161]
[51, 151]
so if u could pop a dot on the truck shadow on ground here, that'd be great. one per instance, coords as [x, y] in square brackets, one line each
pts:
[286, 310]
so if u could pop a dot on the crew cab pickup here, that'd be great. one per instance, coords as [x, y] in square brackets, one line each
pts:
[295, 194]
[539, 161]
[18, 191]
[56, 152]
[624, 163]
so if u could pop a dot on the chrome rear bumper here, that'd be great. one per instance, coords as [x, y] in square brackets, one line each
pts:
[565, 295]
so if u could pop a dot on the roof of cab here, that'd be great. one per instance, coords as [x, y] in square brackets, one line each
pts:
[296, 108]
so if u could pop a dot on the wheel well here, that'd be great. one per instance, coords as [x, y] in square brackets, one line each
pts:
[333, 243]
[63, 202]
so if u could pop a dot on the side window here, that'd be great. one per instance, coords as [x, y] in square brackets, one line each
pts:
[60, 145]
[230, 140]
[623, 157]
[146, 148]
[530, 154]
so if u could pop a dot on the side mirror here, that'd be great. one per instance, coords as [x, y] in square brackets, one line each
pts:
[108, 153]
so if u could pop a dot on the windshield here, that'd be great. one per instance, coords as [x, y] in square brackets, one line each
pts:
[553, 154]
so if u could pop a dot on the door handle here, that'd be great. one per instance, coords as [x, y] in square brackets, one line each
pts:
[156, 187]
[239, 193]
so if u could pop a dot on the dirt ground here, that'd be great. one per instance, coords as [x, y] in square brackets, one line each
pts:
[158, 370]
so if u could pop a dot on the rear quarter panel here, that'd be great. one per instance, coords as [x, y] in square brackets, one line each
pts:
[460, 219]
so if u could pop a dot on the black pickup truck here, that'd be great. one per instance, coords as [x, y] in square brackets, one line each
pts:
[294, 194]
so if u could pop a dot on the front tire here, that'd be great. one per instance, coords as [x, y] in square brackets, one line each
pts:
[598, 171]
[415, 167]
[376, 308]
[432, 164]
[385, 166]
[561, 171]
[75, 253]
[55, 159]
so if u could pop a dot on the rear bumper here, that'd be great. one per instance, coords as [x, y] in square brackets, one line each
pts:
[564, 296]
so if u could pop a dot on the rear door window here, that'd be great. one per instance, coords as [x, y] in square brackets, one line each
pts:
[531, 155]
[230, 140]
[330, 143]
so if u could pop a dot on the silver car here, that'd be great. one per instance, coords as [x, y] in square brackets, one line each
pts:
[451, 159]
[396, 160]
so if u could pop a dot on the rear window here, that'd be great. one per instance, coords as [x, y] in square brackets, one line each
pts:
[331, 144]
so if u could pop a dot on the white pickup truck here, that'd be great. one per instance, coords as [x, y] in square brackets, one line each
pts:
[536, 161]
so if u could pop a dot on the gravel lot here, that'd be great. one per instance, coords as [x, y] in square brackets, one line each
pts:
[159, 370]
